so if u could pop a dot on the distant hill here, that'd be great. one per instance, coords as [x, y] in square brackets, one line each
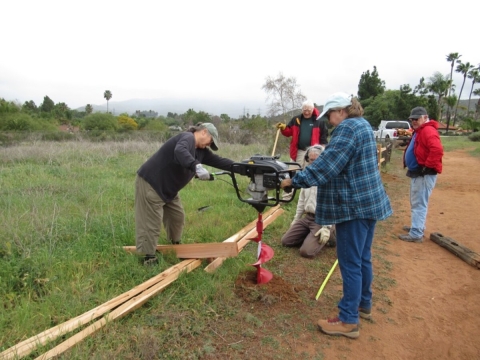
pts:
[464, 104]
[234, 109]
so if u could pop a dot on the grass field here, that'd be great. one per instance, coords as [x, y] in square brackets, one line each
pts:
[66, 210]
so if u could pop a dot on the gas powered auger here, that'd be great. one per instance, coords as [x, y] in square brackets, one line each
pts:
[265, 173]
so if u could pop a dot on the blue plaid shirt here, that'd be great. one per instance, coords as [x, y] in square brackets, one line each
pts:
[347, 176]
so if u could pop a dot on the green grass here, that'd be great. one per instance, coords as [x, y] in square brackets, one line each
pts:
[461, 143]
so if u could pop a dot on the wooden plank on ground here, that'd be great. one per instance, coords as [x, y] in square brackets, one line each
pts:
[121, 311]
[464, 253]
[197, 251]
[27, 346]
[242, 242]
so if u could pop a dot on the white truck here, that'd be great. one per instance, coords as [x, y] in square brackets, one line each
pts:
[394, 130]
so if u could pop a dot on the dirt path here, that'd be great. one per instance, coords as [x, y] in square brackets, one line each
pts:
[435, 307]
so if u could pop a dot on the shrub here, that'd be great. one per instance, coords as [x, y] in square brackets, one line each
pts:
[474, 136]
[25, 122]
[16, 122]
[58, 136]
[100, 121]
[126, 123]
[156, 125]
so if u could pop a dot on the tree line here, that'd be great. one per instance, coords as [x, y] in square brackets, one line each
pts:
[437, 94]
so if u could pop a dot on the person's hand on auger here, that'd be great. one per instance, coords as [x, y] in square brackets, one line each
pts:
[201, 172]
[286, 183]
[280, 126]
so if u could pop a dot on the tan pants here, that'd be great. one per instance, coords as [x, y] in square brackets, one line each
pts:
[302, 234]
[150, 211]
[300, 158]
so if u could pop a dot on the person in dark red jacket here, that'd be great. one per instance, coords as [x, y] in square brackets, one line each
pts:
[306, 130]
[423, 159]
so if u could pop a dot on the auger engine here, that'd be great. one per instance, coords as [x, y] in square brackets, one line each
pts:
[266, 174]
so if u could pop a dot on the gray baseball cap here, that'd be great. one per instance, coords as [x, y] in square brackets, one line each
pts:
[213, 131]
[417, 112]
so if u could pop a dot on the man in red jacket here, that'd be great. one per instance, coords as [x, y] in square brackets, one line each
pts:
[423, 159]
[306, 130]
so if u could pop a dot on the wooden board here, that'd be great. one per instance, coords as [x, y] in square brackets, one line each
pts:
[464, 253]
[197, 251]
[27, 346]
[127, 307]
[242, 242]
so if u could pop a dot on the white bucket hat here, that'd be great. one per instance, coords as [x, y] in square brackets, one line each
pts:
[339, 100]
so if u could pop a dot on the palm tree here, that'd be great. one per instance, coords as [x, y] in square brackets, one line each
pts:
[452, 58]
[473, 74]
[476, 92]
[464, 69]
[450, 100]
[107, 95]
[439, 85]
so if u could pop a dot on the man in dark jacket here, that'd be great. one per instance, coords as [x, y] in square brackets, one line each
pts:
[306, 130]
[160, 179]
[423, 159]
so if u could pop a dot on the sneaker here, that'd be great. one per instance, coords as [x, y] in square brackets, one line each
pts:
[365, 313]
[150, 260]
[408, 228]
[408, 238]
[337, 327]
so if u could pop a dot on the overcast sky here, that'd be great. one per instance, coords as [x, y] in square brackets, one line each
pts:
[73, 50]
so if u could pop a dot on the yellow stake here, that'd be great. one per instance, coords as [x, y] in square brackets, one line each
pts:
[326, 279]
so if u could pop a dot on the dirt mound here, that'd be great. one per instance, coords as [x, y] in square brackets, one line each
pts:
[274, 293]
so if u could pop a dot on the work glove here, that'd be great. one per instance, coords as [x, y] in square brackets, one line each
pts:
[323, 235]
[201, 172]
[280, 126]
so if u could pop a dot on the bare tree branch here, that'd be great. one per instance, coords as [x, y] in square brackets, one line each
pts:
[283, 93]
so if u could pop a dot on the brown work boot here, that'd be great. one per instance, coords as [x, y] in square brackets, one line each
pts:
[365, 313]
[337, 327]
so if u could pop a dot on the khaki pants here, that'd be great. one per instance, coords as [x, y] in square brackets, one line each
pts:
[300, 158]
[150, 212]
[302, 233]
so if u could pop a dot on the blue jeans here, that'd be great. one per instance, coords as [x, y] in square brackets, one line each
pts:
[354, 251]
[420, 190]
